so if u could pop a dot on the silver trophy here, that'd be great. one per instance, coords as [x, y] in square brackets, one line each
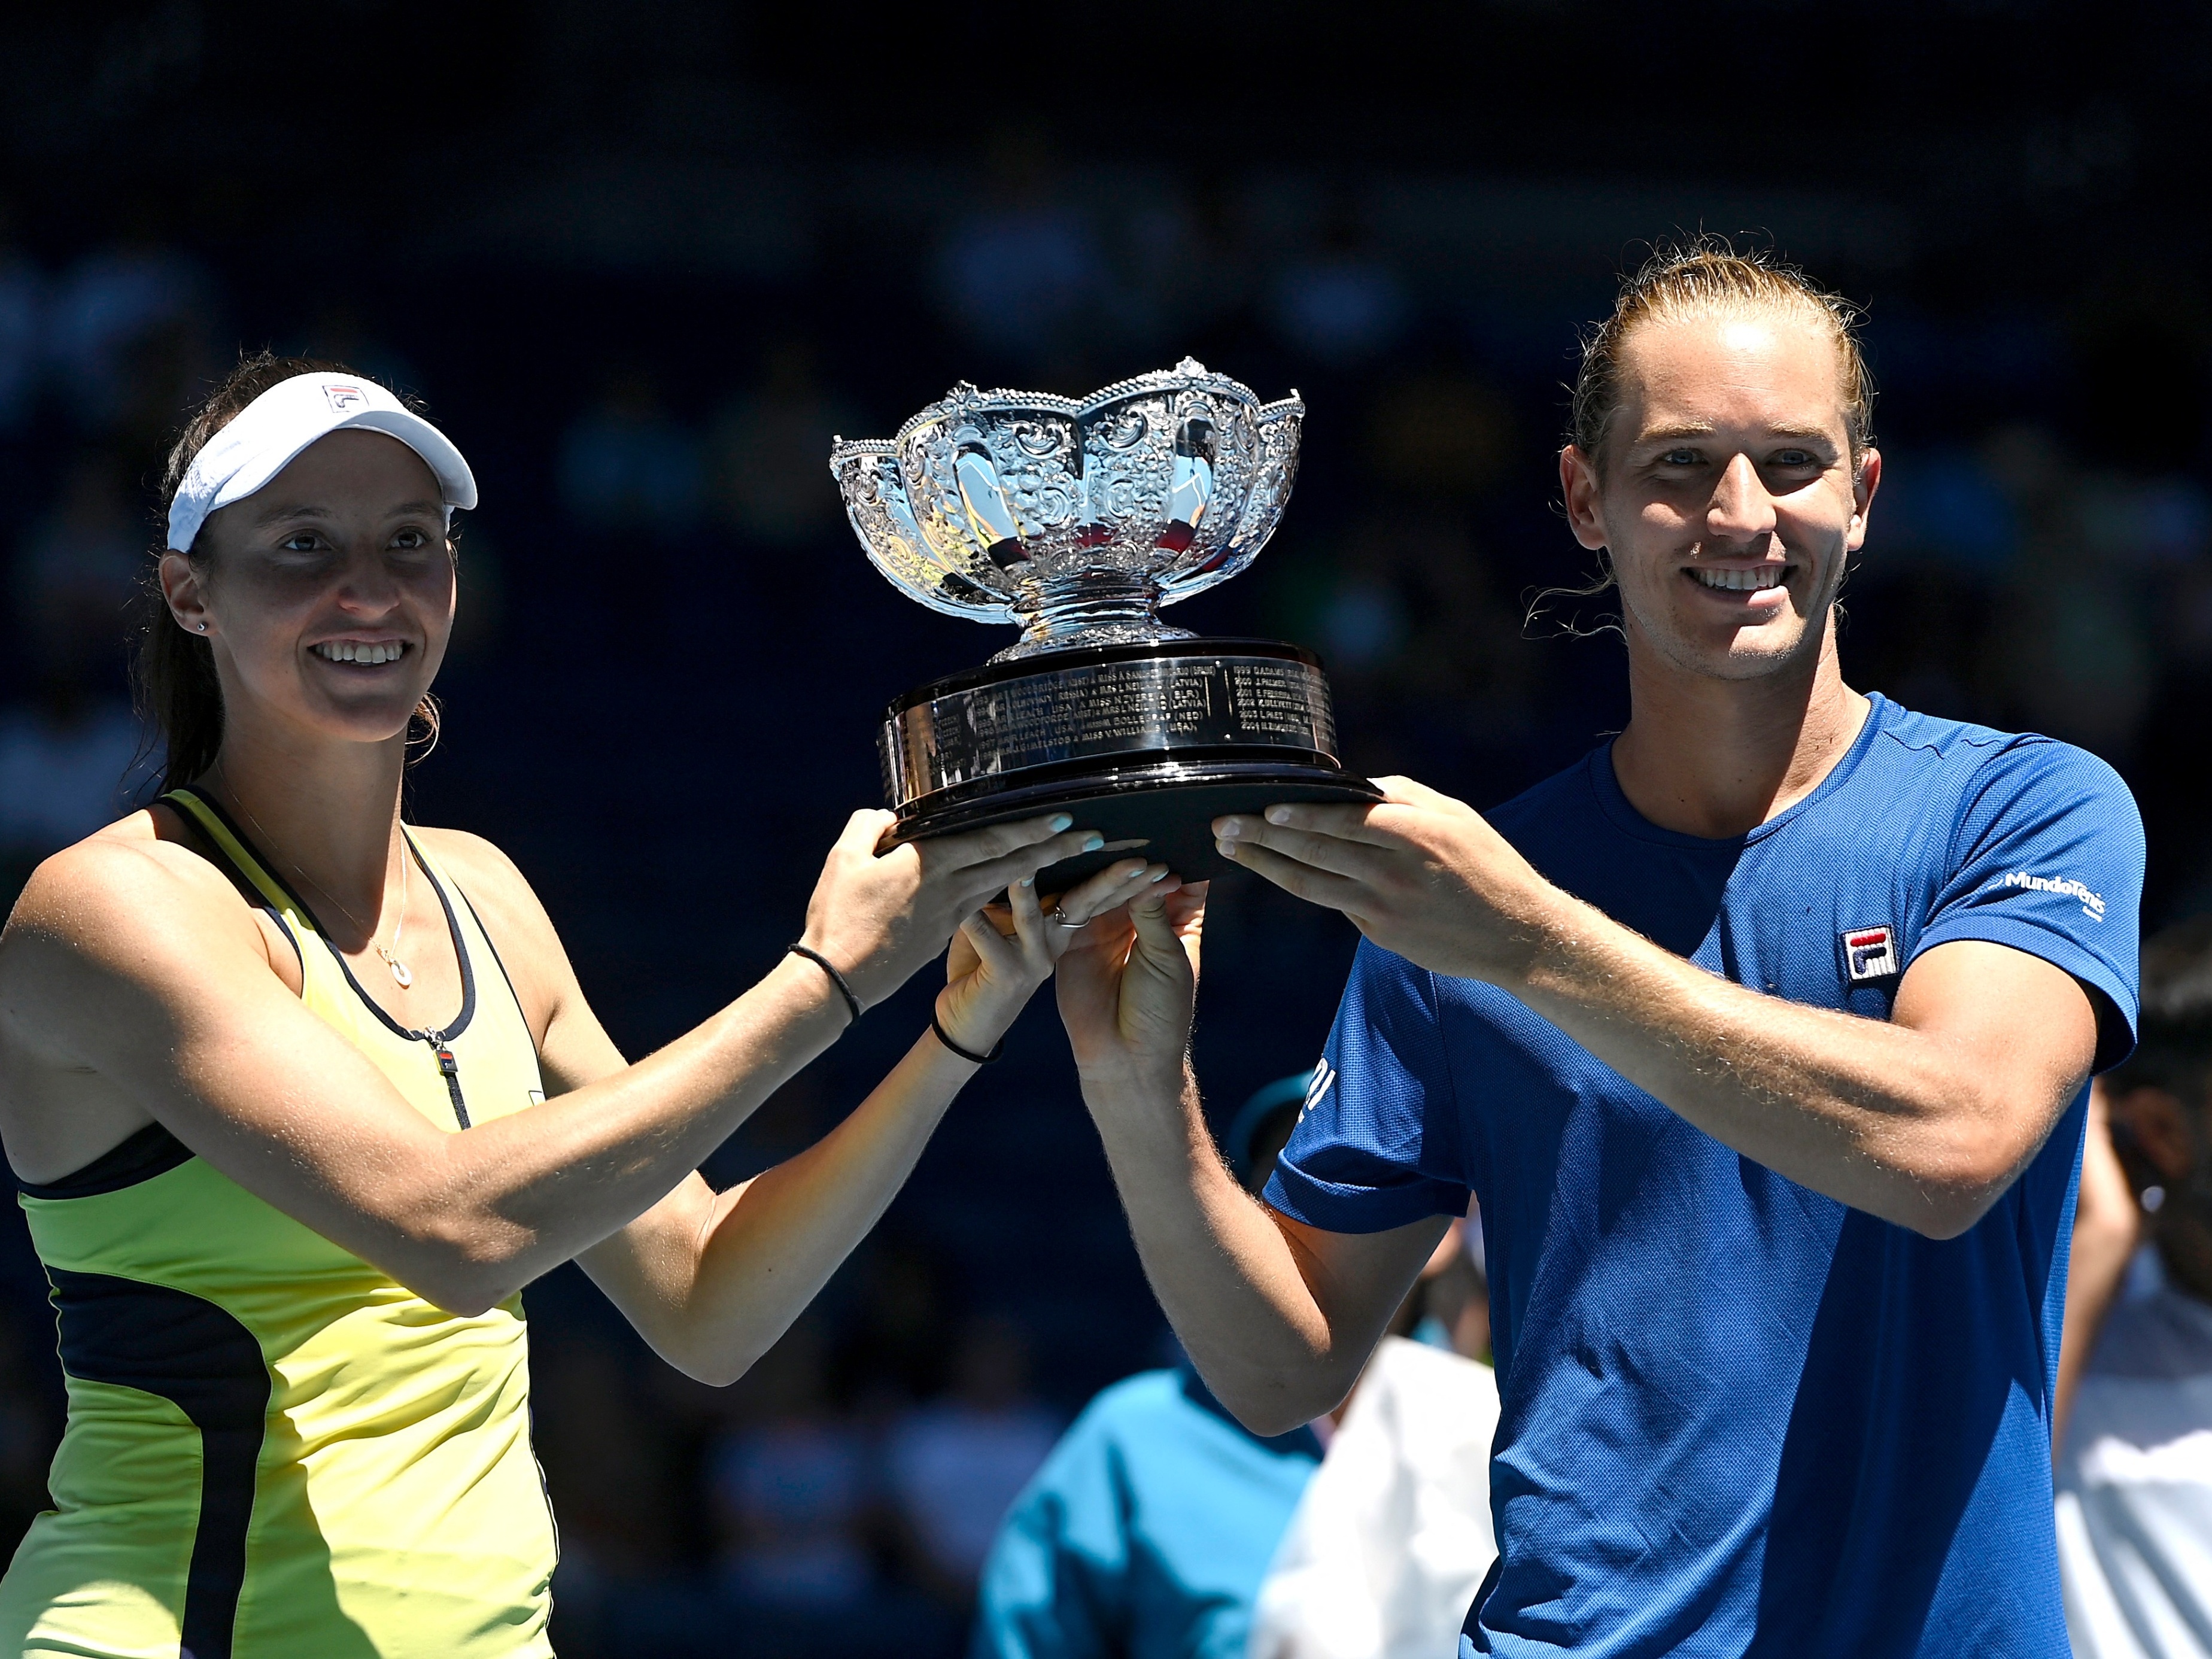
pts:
[1078, 521]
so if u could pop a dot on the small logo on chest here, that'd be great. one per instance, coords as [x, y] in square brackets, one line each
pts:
[1869, 953]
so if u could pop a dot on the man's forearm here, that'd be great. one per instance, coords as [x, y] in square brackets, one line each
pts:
[1229, 1281]
[1900, 1122]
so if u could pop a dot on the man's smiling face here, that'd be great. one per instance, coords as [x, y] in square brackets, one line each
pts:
[1726, 494]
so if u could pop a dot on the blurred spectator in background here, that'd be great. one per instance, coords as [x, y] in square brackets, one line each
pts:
[1341, 304]
[627, 464]
[2071, 639]
[22, 294]
[1025, 275]
[793, 1489]
[1393, 1538]
[2135, 1453]
[1146, 1533]
[128, 339]
[604, 1459]
[1423, 639]
[954, 1464]
[767, 456]
[63, 754]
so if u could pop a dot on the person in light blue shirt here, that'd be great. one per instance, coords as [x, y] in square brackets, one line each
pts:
[1148, 1530]
[1762, 1033]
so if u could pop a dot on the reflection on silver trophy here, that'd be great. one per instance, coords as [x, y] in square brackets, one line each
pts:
[1078, 521]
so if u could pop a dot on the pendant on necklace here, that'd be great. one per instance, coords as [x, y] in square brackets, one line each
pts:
[400, 970]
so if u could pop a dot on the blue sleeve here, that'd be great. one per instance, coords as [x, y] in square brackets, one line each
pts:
[1376, 1145]
[1055, 1583]
[2047, 857]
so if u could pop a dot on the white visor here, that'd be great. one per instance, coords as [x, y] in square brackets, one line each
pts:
[262, 440]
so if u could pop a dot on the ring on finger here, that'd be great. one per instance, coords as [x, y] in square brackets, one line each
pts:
[1060, 918]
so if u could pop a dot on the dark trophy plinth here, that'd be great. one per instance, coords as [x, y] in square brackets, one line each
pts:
[1078, 521]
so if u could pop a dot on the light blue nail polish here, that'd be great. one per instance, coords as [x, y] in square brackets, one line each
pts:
[1028, 881]
[1278, 815]
[1226, 848]
[1163, 875]
[1092, 844]
[1061, 821]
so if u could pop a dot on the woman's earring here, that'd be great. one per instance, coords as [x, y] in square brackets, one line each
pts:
[203, 627]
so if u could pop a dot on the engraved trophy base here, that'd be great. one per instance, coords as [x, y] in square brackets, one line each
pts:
[1145, 743]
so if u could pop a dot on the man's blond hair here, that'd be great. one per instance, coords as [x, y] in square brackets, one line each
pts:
[1698, 278]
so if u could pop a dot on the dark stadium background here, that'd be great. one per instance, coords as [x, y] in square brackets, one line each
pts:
[642, 260]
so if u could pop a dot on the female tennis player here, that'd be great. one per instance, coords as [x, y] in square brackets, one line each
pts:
[299, 1096]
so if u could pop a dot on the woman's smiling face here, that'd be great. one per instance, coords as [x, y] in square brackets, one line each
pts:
[327, 595]
[1728, 496]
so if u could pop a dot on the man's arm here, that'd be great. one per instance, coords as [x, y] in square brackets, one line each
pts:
[1923, 1119]
[2108, 1227]
[1278, 1316]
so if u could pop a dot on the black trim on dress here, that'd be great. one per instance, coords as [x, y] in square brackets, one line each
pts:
[139, 1156]
[186, 1350]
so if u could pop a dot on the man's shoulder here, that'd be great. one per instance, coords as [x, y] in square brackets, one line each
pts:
[1982, 756]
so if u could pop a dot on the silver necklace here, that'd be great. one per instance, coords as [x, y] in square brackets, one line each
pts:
[402, 975]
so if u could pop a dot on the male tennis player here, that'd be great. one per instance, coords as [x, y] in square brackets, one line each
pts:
[1762, 1034]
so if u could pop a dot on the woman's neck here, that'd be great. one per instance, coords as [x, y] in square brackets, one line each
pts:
[326, 813]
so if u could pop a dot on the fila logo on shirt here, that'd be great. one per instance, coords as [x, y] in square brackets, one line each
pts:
[1323, 1076]
[1869, 953]
[343, 398]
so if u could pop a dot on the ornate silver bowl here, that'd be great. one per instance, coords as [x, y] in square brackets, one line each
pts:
[1076, 520]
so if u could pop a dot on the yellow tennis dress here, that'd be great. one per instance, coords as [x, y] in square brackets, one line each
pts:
[274, 1450]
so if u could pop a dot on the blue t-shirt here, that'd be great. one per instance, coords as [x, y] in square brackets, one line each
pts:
[1145, 1535]
[1739, 1416]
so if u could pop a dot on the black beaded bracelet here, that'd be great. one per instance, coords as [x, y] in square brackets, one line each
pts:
[969, 1055]
[835, 978]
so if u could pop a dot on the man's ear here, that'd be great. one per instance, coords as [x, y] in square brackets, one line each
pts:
[1866, 478]
[1579, 493]
[2159, 1124]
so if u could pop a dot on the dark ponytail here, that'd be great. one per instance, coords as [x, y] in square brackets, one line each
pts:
[172, 672]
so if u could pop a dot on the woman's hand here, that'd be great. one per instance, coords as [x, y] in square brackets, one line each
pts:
[1003, 953]
[879, 916]
[1128, 987]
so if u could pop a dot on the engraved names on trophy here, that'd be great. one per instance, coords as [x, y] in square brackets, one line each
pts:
[1107, 709]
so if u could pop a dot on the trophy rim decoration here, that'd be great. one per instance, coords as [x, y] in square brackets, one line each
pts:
[1032, 508]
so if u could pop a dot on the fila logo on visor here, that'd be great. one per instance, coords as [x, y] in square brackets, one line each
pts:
[1869, 953]
[343, 398]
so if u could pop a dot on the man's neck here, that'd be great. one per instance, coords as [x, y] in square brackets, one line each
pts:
[1718, 758]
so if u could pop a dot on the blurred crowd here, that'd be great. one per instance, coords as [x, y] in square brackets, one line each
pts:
[672, 652]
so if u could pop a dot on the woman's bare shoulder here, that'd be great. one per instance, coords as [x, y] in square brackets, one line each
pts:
[130, 904]
[131, 873]
[499, 892]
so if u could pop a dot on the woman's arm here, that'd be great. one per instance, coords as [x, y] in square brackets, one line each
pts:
[712, 1279]
[124, 964]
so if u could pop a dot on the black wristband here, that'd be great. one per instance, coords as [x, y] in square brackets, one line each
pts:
[971, 1056]
[835, 978]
